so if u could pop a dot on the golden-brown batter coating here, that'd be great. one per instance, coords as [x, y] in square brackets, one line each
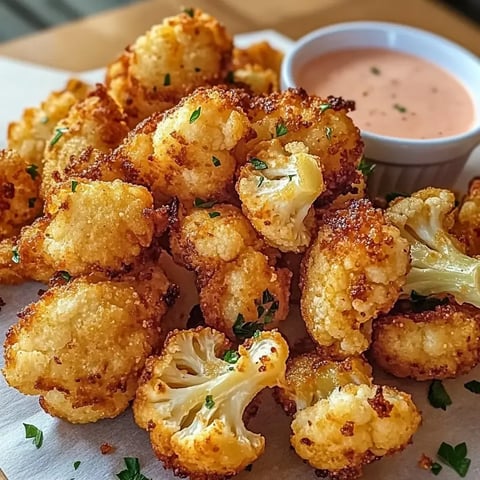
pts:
[353, 271]
[432, 344]
[467, 225]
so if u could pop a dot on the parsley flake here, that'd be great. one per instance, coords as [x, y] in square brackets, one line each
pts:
[216, 162]
[189, 11]
[328, 133]
[166, 80]
[260, 181]
[195, 114]
[31, 202]
[58, 135]
[74, 186]
[213, 214]
[209, 402]
[200, 203]
[133, 470]
[76, 464]
[230, 78]
[325, 106]
[243, 329]
[375, 70]
[366, 167]
[473, 386]
[291, 176]
[420, 303]
[455, 457]
[438, 396]
[32, 171]
[31, 431]
[280, 130]
[231, 356]
[258, 164]
[435, 468]
[15, 255]
[400, 108]
[65, 275]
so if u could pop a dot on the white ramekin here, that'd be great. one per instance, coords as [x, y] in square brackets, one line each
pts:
[403, 164]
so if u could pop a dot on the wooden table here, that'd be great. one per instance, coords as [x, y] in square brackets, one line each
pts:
[94, 41]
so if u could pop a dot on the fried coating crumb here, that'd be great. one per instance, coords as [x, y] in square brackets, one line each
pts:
[425, 462]
[353, 272]
[19, 202]
[29, 135]
[107, 448]
[95, 122]
[82, 345]
[235, 291]
[169, 62]
[433, 344]
[467, 225]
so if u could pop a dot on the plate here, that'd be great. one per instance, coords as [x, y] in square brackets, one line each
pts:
[23, 85]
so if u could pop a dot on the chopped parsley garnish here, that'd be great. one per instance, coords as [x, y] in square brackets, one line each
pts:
[392, 195]
[473, 386]
[325, 106]
[455, 457]
[15, 255]
[435, 468]
[438, 396]
[366, 167]
[58, 135]
[209, 402]
[328, 133]
[65, 275]
[291, 176]
[231, 356]
[400, 108]
[375, 70]
[195, 114]
[133, 470]
[31, 431]
[200, 203]
[420, 303]
[260, 181]
[280, 130]
[258, 164]
[166, 80]
[230, 78]
[76, 464]
[32, 171]
[213, 214]
[31, 202]
[243, 329]
[216, 162]
[189, 11]
[74, 185]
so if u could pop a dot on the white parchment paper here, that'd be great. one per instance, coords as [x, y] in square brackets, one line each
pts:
[23, 85]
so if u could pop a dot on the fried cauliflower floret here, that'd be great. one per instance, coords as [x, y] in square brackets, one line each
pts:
[432, 344]
[353, 271]
[438, 265]
[83, 345]
[186, 153]
[29, 135]
[168, 62]
[95, 122]
[310, 378]
[277, 188]
[322, 125]
[192, 401]
[206, 238]
[245, 295]
[10, 271]
[467, 225]
[19, 202]
[355, 425]
[90, 226]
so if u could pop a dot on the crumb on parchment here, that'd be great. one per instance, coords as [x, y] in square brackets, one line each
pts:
[106, 448]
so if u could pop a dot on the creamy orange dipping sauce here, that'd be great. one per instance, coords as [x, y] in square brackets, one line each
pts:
[396, 94]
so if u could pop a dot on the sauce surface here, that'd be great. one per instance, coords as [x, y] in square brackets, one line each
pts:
[396, 94]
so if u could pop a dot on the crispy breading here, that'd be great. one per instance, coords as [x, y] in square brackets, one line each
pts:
[82, 345]
[354, 426]
[95, 122]
[235, 294]
[467, 225]
[321, 124]
[353, 271]
[19, 202]
[168, 62]
[29, 135]
[91, 226]
[10, 272]
[186, 152]
[432, 344]
[205, 238]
